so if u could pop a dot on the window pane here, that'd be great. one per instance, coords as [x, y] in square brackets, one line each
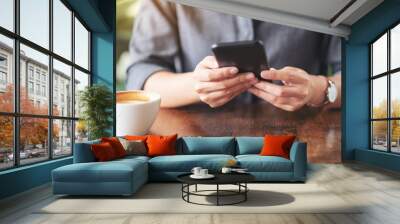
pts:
[62, 29]
[34, 72]
[6, 142]
[35, 21]
[62, 89]
[6, 74]
[379, 97]
[395, 136]
[81, 131]
[7, 14]
[395, 47]
[81, 45]
[379, 55]
[81, 81]
[395, 94]
[62, 138]
[33, 140]
[379, 135]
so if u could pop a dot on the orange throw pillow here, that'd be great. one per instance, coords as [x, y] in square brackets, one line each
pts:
[103, 152]
[136, 137]
[161, 145]
[116, 145]
[277, 145]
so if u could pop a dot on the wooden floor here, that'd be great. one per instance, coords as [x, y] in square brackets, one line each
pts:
[377, 188]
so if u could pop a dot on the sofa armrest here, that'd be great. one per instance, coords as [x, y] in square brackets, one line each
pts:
[298, 155]
[83, 152]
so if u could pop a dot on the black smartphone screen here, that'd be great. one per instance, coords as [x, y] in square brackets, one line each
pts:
[247, 56]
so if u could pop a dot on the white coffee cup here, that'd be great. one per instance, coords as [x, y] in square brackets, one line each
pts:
[203, 172]
[196, 171]
[136, 111]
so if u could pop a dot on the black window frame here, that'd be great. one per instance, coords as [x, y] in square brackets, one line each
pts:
[16, 115]
[388, 74]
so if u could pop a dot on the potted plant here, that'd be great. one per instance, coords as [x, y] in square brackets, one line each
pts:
[96, 103]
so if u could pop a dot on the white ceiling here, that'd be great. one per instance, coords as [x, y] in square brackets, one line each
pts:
[321, 9]
[314, 15]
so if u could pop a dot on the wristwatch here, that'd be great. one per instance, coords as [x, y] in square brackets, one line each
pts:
[331, 94]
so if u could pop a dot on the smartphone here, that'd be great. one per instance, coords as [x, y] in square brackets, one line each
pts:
[247, 56]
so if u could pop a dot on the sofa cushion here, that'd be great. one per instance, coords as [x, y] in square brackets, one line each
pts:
[161, 145]
[257, 163]
[249, 145]
[185, 163]
[116, 145]
[277, 145]
[112, 171]
[207, 145]
[134, 147]
[103, 152]
[133, 158]
[136, 137]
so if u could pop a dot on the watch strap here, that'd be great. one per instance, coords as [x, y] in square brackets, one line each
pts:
[326, 99]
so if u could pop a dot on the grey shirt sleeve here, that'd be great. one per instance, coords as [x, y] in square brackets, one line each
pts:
[333, 54]
[154, 42]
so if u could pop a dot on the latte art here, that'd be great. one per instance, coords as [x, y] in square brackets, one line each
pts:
[132, 97]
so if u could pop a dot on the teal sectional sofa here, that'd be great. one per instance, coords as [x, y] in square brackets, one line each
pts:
[125, 176]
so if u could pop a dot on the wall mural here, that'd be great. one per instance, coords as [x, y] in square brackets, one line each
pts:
[169, 51]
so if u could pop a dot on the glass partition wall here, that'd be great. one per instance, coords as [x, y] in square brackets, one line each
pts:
[385, 91]
[44, 58]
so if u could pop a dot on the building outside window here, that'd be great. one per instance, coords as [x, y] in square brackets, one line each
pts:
[3, 77]
[385, 94]
[30, 87]
[30, 72]
[3, 81]
[3, 72]
[55, 97]
[44, 77]
[44, 91]
[38, 89]
[58, 126]
[3, 60]
[37, 74]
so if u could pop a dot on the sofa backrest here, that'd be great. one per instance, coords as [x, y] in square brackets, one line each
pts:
[191, 146]
[206, 145]
[83, 152]
[249, 145]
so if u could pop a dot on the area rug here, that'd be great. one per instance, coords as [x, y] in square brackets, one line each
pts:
[166, 198]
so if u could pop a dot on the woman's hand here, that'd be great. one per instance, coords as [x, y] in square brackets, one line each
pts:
[216, 86]
[299, 88]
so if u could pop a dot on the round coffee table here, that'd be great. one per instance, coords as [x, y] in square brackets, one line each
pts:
[238, 179]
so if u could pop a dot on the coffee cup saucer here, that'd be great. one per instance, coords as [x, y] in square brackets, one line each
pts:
[208, 176]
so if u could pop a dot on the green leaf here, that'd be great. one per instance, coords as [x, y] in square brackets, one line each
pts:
[97, 102]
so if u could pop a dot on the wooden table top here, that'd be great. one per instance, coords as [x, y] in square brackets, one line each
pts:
[321, 129]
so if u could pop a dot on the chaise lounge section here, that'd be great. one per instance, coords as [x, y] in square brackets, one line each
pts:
[125, 176]
[88, 177]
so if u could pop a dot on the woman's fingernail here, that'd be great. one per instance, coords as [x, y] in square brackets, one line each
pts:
[264, 74]
[234, 70]
[250, 76]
